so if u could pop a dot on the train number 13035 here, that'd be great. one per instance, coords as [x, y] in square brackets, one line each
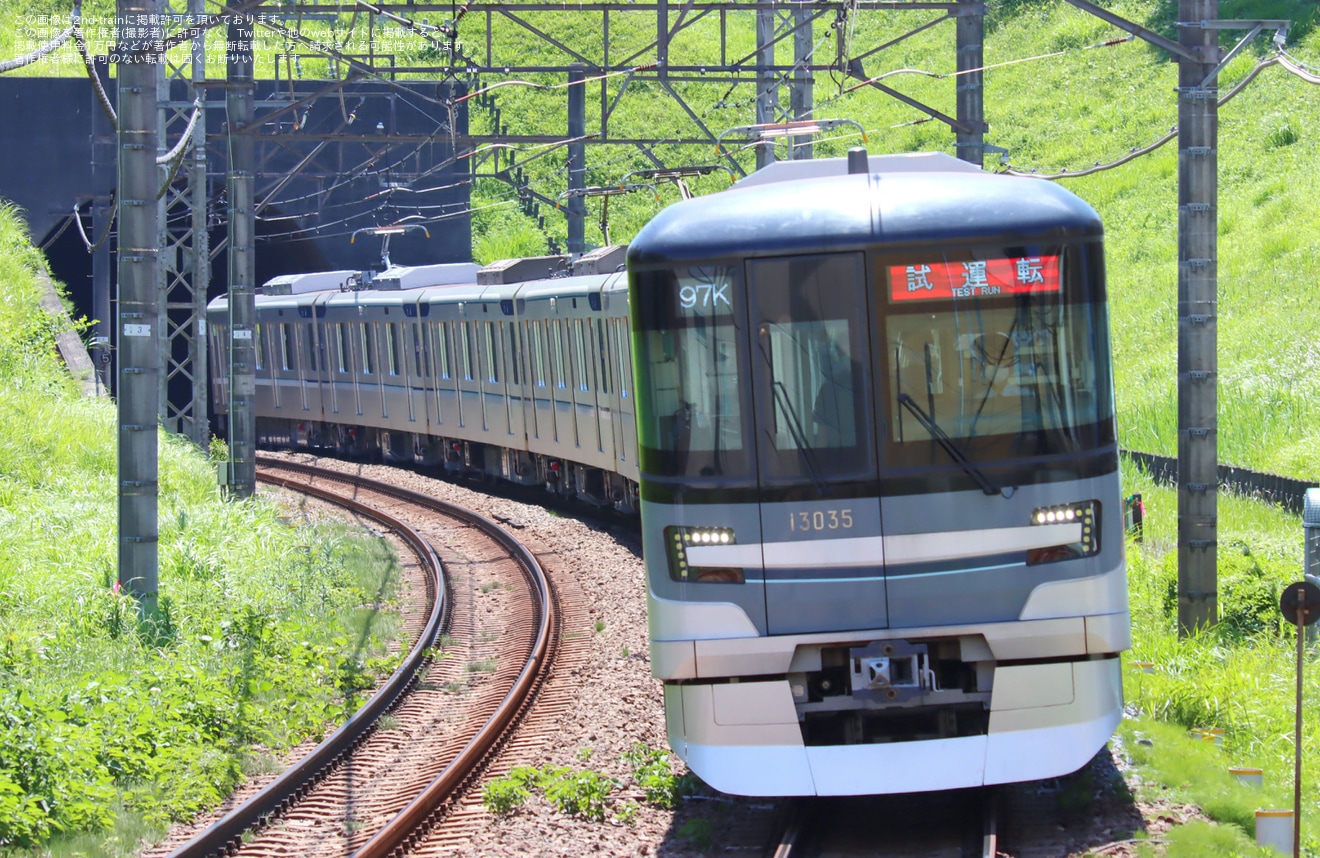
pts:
[829, 519]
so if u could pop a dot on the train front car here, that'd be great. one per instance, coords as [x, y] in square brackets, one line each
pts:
[879, 481]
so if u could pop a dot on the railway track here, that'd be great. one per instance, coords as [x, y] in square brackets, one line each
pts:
[954, 824]
[376, 786]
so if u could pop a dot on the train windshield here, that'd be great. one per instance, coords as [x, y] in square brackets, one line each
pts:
[1005, 354]
[689, 366]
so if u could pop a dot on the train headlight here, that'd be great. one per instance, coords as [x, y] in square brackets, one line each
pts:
[1086, 514]
[678, 542]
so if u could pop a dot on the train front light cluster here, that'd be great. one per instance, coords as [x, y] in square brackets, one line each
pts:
[679, 540]
[1085, 514]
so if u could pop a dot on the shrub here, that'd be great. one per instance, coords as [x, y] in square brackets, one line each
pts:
[582, 793]
[650, 769]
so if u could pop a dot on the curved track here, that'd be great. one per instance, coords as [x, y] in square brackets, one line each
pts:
[307, 790]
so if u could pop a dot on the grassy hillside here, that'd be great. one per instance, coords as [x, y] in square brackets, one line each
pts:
[1053, 99]
[1072, 106]
[111, 727]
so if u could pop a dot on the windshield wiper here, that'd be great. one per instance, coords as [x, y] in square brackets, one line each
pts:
[799, 436]
[942, 438]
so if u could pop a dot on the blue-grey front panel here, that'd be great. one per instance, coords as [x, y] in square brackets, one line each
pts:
[841, 584]
[744, 519]
[989, 586]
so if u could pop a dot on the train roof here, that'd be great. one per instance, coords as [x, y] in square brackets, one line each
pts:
[314, 281]
[567, 286]
[912, 208]
[423, 276]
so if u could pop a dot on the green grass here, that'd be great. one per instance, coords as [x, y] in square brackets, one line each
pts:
[112, 726]
[1238, 676]
[1051, 112]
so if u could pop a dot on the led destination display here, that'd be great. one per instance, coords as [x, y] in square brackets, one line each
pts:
[986, 278]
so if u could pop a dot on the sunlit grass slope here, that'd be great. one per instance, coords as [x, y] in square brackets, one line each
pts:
[110, 727]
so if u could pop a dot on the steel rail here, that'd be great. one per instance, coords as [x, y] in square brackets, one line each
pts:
[398, 830]
[226, 834]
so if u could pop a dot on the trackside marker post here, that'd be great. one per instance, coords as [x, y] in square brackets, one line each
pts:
[1300, 604]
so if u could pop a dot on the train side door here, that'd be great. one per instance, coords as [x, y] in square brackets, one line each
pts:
[817, 466]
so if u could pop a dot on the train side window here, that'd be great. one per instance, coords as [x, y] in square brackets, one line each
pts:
[368, 342]
[581, 364]
[341, 335]
[422, 350]
[492, 353]
[623, 353]
[538, 354]
[515, 352]
[465, 333]
[219, 349]
[257, 342]
[557, 373]
[392, 347]
[312, 364]
[603, 380]
[443, 337]
[287, 347]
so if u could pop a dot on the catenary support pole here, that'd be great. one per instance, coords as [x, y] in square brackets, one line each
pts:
[767, 86]
[138, 373]
[104, 176]
[577, 159]
[201, 245]
[243, 337]
[970, 38]
[1198, 452]
[800, 97]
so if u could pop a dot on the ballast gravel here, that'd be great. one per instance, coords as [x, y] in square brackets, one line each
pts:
[618, 704]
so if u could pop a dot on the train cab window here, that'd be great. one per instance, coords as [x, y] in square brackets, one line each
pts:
[690, 365]
[1002, 351]
[257, 343]
[368, 347]
[392, 346]
[810, 363]
[341, 339]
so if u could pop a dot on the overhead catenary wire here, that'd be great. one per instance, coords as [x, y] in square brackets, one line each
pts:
[1279, 59]
[102, 98]
[112, 211]
[32, 56]
[185, 139]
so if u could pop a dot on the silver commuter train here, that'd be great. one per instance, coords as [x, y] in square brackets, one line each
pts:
[874, 455]
[526, 381]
